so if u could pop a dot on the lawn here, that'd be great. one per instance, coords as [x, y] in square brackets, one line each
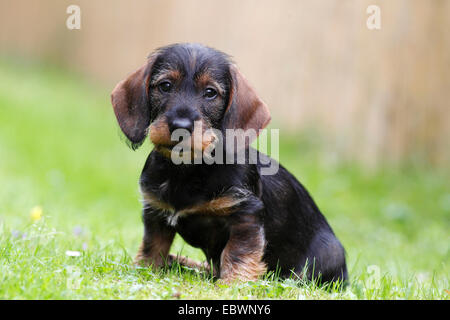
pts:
[70, 213]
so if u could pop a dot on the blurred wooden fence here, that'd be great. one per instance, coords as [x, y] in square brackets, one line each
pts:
[373, 94]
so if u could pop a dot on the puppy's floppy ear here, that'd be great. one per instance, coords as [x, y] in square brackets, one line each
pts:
[131, 103]
[245, 109]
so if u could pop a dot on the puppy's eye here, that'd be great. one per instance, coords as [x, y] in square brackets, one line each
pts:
[210, 93]
[165, 86]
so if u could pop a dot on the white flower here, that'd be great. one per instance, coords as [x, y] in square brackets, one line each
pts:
[73, 253]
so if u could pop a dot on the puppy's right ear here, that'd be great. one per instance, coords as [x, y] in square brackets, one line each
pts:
[131, 103]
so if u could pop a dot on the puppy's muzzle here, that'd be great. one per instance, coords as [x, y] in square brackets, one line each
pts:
[161, 134]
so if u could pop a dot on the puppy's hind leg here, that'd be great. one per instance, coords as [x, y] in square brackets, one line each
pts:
[327, 259]
[190, 263]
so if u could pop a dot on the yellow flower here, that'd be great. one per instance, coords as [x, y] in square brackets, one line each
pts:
[36, 213]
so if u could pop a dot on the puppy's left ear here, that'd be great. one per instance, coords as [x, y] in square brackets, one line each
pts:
[245, 109]
[131, 103]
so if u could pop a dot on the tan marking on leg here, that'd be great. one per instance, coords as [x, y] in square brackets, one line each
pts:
[154, 252]
[236, 265]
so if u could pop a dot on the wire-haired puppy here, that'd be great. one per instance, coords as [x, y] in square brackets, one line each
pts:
[245, 222]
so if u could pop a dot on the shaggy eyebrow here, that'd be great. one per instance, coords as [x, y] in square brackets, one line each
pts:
[165, 72]
[205, 78]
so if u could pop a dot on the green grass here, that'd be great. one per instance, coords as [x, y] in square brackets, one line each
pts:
[60, 149]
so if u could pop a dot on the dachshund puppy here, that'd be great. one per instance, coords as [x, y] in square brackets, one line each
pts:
[245, 222]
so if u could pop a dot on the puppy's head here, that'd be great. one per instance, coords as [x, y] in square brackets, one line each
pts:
[183, 86]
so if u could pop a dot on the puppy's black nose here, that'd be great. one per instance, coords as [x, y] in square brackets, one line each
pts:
[181, 123]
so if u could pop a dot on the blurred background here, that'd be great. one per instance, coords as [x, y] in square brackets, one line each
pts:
[371, 95]
[364, 119]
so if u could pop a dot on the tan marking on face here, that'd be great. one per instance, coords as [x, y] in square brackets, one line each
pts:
[196, 143]
[205, 80]
[209, 137]
[166, 152]
[201, 137]
[159, 132]
[170, 74]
